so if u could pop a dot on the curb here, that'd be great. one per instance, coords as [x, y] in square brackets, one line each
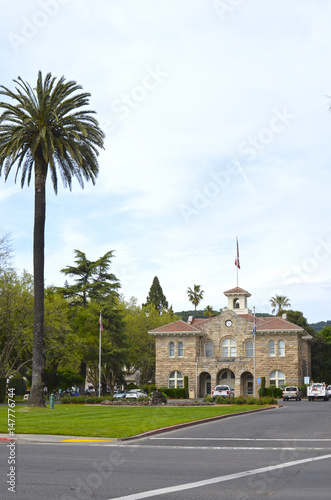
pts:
[194, 422]
[48, 438]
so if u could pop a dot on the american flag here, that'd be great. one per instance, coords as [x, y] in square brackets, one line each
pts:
[236, 262]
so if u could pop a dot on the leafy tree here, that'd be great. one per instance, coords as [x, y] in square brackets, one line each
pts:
[138, 322]
[61, 350]
[6, 253]
[278, 302]
[92, 279]
[156, 296]
[46, 129]
[16, 318]
[298, 318]
[93, 284]
[321, 356]
[195, 296]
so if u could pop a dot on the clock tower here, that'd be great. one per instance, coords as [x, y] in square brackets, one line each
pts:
[237, 300]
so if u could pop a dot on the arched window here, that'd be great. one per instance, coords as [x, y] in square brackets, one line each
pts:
[180, 349]
[277, 378]
[229, 348]
[281, 348]
[208, 349]
[249, 348]
[171, 349]
[271, 348]
[176, 380]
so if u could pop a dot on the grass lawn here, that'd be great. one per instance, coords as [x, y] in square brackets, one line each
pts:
[107, 421]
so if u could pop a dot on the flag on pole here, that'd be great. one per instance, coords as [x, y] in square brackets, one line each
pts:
[236, 262]
[100, 323]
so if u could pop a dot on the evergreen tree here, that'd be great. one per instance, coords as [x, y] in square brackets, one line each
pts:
[156, 296]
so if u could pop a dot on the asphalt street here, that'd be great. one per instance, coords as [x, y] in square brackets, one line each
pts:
[284, 453]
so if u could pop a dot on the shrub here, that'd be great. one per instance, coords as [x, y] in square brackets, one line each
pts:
[82, 399]
[274, 392]
[240, 400]
[173, 393]
[208, 399]
[148, 388]
[251, 400]
[18, 384]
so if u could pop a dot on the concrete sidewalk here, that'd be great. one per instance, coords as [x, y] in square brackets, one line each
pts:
[51, 439]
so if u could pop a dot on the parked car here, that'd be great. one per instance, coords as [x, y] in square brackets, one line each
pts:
[119, 394]
[135, 394]
[222, 390]
[291, 392]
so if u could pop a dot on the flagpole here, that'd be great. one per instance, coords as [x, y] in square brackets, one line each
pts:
[100, 325]
[254, 342]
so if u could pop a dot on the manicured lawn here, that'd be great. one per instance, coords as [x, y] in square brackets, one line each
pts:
[107, 421]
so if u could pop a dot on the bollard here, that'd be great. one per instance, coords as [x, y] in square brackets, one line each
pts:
[51, 402]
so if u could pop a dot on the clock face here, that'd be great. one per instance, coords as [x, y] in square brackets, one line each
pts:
[228, 322]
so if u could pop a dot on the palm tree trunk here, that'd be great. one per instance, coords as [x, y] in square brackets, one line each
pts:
[37, 389]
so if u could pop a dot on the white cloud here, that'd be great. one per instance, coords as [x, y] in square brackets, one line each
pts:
[184, 95]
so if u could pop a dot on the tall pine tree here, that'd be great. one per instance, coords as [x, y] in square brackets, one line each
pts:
[156, 296]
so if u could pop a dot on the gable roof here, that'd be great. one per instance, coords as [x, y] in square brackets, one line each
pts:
[263, 324]
[275, 323]
[179, 326]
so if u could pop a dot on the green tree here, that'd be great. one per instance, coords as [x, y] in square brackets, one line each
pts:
[44, 129]
[92, 279]
[138, 322]
[298, 318]
[156, 296]
[95, 290]
[278, 302]
[6, 253]
[195, 296]
[209, 312]
[321, 356]
[16, 318]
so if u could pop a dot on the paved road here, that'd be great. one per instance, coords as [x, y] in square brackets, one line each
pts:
[280, 454]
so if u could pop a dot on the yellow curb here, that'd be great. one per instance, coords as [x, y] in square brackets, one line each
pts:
[85, 440]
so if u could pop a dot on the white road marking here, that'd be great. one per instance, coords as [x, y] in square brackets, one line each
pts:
[220, 479]
[260, 448]
[237, 439]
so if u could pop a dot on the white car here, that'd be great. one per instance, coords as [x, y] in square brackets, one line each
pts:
[135, 394]
[222, 390]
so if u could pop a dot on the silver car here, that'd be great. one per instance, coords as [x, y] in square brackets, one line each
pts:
[135, 394]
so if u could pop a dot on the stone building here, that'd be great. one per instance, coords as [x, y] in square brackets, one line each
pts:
[220, 350]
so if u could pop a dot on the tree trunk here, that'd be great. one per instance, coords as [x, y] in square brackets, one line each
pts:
[37, 389]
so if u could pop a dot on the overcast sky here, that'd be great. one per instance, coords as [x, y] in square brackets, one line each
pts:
[217, 123]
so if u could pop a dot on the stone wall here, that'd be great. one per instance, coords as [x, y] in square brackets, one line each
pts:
[197, 367]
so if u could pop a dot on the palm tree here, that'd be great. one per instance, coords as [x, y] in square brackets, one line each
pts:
[278, 303]
[195, 296]
[44, 130]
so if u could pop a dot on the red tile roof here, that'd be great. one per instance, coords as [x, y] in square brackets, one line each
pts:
[236, 290]
[179, 326]
[263, 324]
